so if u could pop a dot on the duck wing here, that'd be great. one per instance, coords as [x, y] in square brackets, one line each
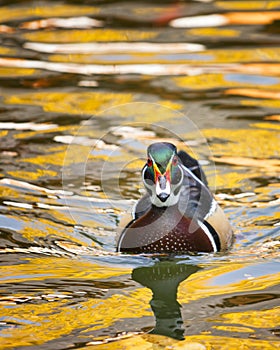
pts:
[196, 200]
[193, 165]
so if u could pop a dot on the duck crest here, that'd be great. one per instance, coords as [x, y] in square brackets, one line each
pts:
[178, 213]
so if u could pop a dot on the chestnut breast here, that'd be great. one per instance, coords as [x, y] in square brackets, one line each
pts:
[164, 230]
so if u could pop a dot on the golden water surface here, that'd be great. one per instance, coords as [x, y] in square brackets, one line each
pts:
[85, 87]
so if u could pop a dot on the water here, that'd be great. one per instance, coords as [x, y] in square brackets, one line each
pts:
[76, 117]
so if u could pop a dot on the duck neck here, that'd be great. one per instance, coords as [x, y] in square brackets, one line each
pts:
[167, 209]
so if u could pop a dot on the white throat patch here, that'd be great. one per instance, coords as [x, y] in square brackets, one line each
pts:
[171, 200]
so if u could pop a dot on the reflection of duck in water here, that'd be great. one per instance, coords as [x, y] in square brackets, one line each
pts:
[163, 279]
[178, 213]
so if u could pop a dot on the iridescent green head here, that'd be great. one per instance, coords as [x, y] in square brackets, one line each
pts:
[162, 174]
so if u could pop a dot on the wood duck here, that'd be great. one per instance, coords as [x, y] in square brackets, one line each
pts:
[178, 213]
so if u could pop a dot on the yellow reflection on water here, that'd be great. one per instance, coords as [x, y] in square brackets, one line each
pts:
[248, 5]
[101, 35]
[52, 320]
[196, 342]
[218, 32]
[257, 143]
[15, 72]
[21, 12]
[32, 175]
[214, 80]
[199, 285]
[254, 318]
[55, 318]
[58, 268]
[261, 103]
[71, 103]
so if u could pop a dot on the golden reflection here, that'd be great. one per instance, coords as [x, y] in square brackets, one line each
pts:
[9, 192]
[101, 35]
[217, 32]
[213, 80]
[44, 229]
[51, 320]
[14, 72]
[275, 117]
[71, 103]
[254, 93]
[272, 126]
[149, 113]
[232, 179]
[47, 299]
[251, 143]
[252, 18]
[255, 318]
[200, 284]
[30, 134]
[195, 342]
[57, 157]
[170, 104]
[54, 319]
[261, 103]
[58, 268]
[21, 12]
[7, 51]
[32, 175]
[238, 329]
[248, 5]
[270, 165]
[94, 314]
[266, 192]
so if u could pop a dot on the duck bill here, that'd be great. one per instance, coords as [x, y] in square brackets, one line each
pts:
[163, 186]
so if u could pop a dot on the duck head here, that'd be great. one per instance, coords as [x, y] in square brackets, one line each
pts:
[162, 174]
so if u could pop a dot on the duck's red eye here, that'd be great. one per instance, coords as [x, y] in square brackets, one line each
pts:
[149, 162]
[175, 161]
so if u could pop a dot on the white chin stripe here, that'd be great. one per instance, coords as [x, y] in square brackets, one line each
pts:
[163, 190]
[171, 200]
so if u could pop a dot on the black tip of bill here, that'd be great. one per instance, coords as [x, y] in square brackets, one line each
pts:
[163, 196]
